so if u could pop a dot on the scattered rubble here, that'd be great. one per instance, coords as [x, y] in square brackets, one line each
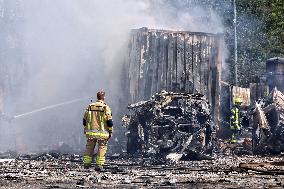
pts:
[129, 172]
[178, 123]
[268, 124]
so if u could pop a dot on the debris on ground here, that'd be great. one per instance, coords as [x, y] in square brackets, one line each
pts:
[129, 172]
[268, 124]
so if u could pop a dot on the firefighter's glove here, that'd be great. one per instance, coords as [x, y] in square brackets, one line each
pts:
[109, 135]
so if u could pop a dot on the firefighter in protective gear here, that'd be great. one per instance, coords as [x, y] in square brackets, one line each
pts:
[98, 126]
[235, 119]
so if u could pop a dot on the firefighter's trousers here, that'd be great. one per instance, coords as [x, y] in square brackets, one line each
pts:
[90, 146]
[235, 135]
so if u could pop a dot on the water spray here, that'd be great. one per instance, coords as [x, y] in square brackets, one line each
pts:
[50, 107]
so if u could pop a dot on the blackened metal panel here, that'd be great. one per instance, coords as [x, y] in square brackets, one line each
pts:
[210, 66]
[188, 63]
[155, 62]
[149, 73]
[214, 75]
[164, 63]
[206, 68]
[136, 62]
[224, 126]
[180, 63]
[196, 63]
[219, 42]
[203, 66]
[143, 63]
[170, 62]
[160, 64]
[133, 67]
[174, 63]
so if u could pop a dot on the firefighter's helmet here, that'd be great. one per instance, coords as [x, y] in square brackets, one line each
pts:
[238, 100]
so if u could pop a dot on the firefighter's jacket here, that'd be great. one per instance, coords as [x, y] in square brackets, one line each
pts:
[97, 120]
[235, 118]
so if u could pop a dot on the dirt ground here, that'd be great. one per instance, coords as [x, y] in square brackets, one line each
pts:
[47, 171]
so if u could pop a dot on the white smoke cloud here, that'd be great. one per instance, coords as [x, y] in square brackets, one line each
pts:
[72, 48]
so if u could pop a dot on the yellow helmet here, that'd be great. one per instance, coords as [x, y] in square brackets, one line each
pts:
[238, 100]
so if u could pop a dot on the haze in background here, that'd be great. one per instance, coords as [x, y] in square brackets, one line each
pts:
[56, 51]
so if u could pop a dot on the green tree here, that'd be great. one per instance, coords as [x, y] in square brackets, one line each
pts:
[260, 28]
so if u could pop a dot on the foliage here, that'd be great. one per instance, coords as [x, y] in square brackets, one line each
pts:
[260, 34]
[260, 27]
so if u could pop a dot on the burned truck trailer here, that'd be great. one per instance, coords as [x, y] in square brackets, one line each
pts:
[188, 66]
[175, 61]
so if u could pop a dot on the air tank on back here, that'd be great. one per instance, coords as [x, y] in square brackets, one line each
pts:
[275, 73]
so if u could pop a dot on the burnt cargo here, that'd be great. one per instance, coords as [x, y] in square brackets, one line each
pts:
[170, 123]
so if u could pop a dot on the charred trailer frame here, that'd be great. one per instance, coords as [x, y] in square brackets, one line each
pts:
[175, 61]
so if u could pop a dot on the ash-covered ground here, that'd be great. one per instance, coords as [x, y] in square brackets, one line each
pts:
[59, 171]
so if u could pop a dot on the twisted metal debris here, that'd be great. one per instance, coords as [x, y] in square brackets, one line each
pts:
[268, 124]
[178, 123]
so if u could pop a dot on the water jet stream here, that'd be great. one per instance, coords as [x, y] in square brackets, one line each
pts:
[49, 107]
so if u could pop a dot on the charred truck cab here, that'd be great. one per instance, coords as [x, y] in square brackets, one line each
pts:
[170, 123]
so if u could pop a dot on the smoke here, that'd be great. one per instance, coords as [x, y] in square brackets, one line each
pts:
[69, 49]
